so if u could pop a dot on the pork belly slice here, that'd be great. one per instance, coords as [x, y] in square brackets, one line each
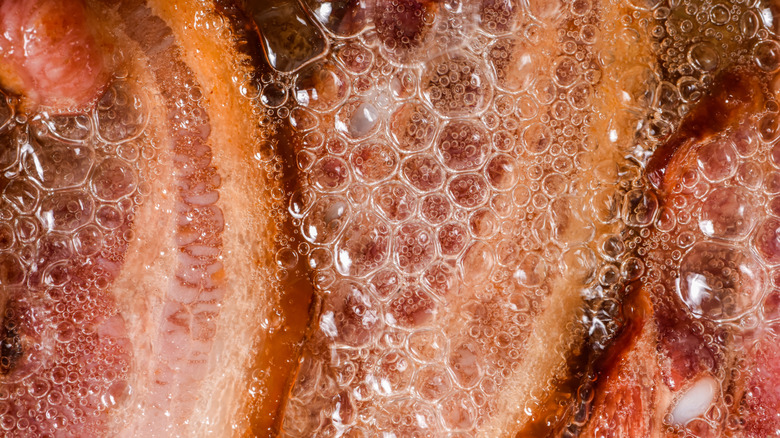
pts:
[453, 209]
[693, 356]
[124, 312]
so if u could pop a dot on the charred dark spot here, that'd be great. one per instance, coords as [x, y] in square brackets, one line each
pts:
[734, 96]
[11, 350]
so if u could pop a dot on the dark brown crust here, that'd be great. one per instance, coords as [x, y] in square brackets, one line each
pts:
[734, 96]
[278, 354]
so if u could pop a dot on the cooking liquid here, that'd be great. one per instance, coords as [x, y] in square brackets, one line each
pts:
[465, 167]
[465, 217]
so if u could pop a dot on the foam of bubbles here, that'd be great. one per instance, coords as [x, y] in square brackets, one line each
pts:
[69, 190]
[454, 187]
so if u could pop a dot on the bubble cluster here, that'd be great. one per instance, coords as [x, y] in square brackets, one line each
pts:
[440, 199]
[70, 186]
[459, 163]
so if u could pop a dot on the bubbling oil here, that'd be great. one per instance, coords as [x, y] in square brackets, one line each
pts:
[459, 163]
[70, 186]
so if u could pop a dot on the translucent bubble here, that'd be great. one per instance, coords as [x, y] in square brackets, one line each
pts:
[343, 18]
[320, 258]
[728, 213]
[357, 119]
[109, 217]
[537, 138]
[645, 5]
[329, 174]
[435, 208]
[441, 279]
[638, 85]
[12, 271]
[748, 24]
[720, 15]
[273, 95]
[373, 161]
[403, 85]
[767, 240]
[690, 88]
[349, 315]
[423, 172]
[386, 283]
[88, 240]
[286, 258]
[327, 217]
[432, 383]
[413, 247]
[554, 185]
[639, 208]
[302, 120]
[408, 417]
[769, 127]
[531, 271]
[356, 58]
[502, 172]
[404, 32]
[413, 126]
[704, 57]
[458, 411]
[565, 71]
[121, 113]
[463, 145]
[466, 363]
[113, 179]
[767, 55]
[66, 211]
[27, 228]
[290, 39]
[9, 149]
[453, 237]
[55, 164]
[772, 183]
[579, 264]
[631, 269]
[605, 206]
[497, 17]
[412, 307]
[73, 128]
[483, 223]
[6, 236]
[745, 142]
[395, 201]
[546, 10]
[392, 374]
[717, 160]
[321, 87]
[22, 195]
[720, 282]
[514, 65]
[568, 228]
[427, 345]
[457, 85]
[363, 247]
[469, 190]
[477, 263]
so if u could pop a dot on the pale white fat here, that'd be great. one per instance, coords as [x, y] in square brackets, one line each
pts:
[695, 401]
